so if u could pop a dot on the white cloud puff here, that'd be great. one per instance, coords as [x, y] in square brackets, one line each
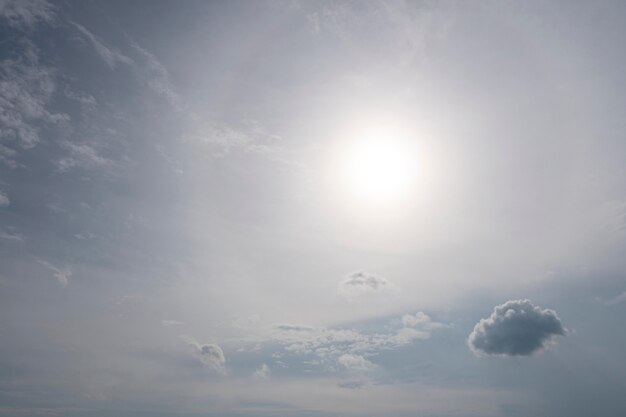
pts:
[515, 328]
[263, 372]
[355, 362]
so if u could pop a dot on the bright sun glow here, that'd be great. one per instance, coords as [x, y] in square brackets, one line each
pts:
[380, 165]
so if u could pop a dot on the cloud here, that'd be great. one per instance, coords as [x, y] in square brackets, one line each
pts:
[171, 323]
[10, 235]
[616, 300]
[361, 282]
[26, 90]
[210, 354]
[294, 327]
[515, 328]
[249, 136]
[331, 345]
[263, 372]
[421, 320]
[82, 155]
[109, 55]
[4, 199]
[26, 14]
[62, 275]
[157, 77]
[147, 68]
[355, 362]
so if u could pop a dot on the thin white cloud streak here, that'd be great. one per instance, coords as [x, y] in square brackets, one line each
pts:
[62, 275]
[11, 236]
[111, 56]
[617, 300]
[172, 323]
[157, 77]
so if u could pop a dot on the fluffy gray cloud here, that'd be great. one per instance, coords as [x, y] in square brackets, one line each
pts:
[515, 328]
[355, 362]
[210, 354]
[361, 282]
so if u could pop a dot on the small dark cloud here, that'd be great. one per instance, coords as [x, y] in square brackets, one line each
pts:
[294, 327]
[361, 282]
[210, 354]
[515, 328]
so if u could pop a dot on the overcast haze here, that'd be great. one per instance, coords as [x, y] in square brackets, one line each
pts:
[307, 209]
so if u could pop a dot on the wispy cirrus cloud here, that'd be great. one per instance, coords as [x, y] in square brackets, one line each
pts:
[81, 155]
[110, 55]
[26, 14]
[616, 300]
[11, 235]
[26, 91]
[62, 275]
[156, 76]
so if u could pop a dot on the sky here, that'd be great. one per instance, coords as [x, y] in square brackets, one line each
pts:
[303, 209]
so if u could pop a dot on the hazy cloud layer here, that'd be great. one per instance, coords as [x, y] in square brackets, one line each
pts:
[177, 167]
[24, 14]
[330, 344]
[515, 328]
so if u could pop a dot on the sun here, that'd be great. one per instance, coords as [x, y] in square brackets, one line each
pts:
[380, 165]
